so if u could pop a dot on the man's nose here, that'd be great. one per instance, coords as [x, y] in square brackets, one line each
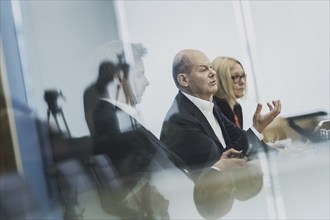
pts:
[212, 72]
[146, 81]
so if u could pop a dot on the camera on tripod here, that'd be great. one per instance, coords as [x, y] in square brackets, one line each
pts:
[52, 99]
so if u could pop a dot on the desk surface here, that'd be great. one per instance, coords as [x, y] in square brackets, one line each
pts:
[295, 186]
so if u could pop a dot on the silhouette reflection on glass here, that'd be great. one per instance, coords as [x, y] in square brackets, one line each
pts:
[98, 90]
[127, 148]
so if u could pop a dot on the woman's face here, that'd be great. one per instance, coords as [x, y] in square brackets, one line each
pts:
[238, 80]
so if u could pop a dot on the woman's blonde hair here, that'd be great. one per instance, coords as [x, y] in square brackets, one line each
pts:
[223, 67]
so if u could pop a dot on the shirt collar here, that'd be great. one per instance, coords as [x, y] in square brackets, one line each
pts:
[203, 105]
[123, 106]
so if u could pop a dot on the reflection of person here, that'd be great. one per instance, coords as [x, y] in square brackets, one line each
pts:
[114, 124]
[215, 193]
[213, 196]
[198, 132]
[97, 90]
[231, 80]
[130, 147]
[248, 180]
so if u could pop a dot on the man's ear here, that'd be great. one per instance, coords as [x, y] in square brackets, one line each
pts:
[182, 79]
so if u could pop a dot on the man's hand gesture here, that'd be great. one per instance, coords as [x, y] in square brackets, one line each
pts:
[260, 122]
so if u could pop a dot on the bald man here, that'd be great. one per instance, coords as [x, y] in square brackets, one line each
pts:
[196, 130]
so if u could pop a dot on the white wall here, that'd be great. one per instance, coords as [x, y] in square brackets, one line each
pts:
[166, 27]
[292, 47]
[61, 38]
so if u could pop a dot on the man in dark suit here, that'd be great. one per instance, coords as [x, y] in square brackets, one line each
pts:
[212, 149]
[196, 131]
[97, 90]
[131, 148]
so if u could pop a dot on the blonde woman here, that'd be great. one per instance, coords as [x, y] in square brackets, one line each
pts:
[231, 80]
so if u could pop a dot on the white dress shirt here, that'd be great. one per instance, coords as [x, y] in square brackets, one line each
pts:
[206, 107]
[124, 121]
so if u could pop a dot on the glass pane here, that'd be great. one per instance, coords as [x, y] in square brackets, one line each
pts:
[99, 75]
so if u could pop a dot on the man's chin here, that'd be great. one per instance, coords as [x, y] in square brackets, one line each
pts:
[214, 91]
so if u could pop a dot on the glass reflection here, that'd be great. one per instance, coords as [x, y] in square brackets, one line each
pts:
[216, 192]
[128, 147]
[132, 173]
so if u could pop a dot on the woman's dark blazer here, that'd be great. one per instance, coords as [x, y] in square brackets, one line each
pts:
[226, 110]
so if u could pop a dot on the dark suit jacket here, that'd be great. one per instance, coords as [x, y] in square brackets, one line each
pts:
[187, 133]
[136, 145]
[91, 96]
[226, 110]
[121, 145]
[134, 152]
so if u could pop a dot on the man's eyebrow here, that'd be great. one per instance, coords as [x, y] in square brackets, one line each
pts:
[203, 65]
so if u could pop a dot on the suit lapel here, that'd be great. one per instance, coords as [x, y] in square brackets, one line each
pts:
[104, 104]
[124, 120]
[194, 111]
[217, 114]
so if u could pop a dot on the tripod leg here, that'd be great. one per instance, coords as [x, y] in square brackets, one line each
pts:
[48, 115]
[58, 125]
[66, 125]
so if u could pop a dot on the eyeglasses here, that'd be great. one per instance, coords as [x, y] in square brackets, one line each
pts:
[238, 78]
